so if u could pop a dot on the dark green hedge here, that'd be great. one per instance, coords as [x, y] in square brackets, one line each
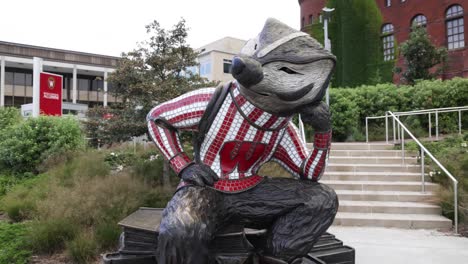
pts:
[350, 106]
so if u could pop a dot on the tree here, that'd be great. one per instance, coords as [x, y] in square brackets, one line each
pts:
[421, 56]
[154, 72]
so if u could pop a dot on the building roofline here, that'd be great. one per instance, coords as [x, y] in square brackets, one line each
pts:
[57, 50]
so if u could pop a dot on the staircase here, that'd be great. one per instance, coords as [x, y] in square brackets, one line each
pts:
[376, 189]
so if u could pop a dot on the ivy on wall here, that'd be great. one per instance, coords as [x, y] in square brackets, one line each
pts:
[355, 34]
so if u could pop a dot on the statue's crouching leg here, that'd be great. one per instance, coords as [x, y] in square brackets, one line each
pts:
[294, 234]
[189, 222]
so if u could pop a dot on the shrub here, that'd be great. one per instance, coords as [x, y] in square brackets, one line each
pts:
[49, 236]
[83, 248]
[107, 234]
[350, 106]
[12, 244]
[26, 145]
[9, 116]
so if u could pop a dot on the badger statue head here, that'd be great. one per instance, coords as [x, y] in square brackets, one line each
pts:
[282, 69]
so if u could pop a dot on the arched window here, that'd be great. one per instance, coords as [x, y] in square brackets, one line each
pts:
[419, 20]
[388, 41]
[455, 27]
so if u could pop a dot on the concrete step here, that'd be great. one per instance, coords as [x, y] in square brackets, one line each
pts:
[372, 176]
[405, 221]
[380, 186]
[361, 146]
[356, 167]
[369, 153]
[386, 196]
[373, 160]
[377, 207]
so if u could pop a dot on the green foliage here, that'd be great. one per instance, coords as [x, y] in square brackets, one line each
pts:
[49, 236]
[76, 204]
[24, 146]
[107, 234]
[355, 31]
[82, 249]
[420, 56]
[106, 126]
[9, 116]
[350, 106]
[12, 244]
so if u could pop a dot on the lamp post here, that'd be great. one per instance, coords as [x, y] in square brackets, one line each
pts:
[326, 16]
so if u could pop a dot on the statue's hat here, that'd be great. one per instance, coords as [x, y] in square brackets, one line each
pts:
[279, 42]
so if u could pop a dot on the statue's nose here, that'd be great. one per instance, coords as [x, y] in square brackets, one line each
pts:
[237, 66]
[246, 71]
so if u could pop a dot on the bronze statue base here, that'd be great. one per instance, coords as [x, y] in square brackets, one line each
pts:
[233, 245]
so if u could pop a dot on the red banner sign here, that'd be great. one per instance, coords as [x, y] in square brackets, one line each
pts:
[50, 94]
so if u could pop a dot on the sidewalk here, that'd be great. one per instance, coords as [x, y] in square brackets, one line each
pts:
[394, 246]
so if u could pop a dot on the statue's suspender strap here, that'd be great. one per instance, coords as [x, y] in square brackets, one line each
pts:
[209, 116]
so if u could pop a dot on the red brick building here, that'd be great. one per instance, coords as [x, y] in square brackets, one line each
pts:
[444, 20]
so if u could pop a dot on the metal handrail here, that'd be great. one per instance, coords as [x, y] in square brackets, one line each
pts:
[425, 152]
[429, 112]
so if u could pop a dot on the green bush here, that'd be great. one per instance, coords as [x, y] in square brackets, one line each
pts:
[107, 234]
[49, 236]
[26, 145]
[350, 106]
[12, 244]
[9, 116]
[82, 249]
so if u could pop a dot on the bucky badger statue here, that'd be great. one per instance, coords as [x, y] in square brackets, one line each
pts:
[239, 127]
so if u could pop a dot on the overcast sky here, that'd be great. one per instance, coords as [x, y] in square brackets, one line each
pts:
[111, 27]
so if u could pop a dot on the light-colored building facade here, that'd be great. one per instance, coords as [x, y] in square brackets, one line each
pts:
[215, 58]
[84, 74]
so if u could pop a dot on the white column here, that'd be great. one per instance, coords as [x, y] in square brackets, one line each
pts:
[37, 69]
[105, 89]
[74, 84]
[2, 81]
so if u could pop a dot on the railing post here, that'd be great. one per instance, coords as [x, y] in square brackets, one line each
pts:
[394, 131]
[386, 127]
[430, 126]
[459, 123]
[423, 180]
[455, 201]
[403, 144]
[367, 130]
[398, 130]
[437, 125]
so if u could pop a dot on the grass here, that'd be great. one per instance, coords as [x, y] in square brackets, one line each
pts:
[13, 243]
[75, 204]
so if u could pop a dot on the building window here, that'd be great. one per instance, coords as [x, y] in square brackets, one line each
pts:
[311, 19]
[302, 22]
[455, 27]
[388, 41]
[419, 20]
[205, 69]
[227, 66]
[320, 18]
[388, 3]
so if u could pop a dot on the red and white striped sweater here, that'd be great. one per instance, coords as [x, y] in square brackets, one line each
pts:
[239, 141]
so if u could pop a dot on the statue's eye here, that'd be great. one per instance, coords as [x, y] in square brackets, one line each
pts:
[288, 70]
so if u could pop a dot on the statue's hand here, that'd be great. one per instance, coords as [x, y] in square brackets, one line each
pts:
[318, 116]
[199, 174]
